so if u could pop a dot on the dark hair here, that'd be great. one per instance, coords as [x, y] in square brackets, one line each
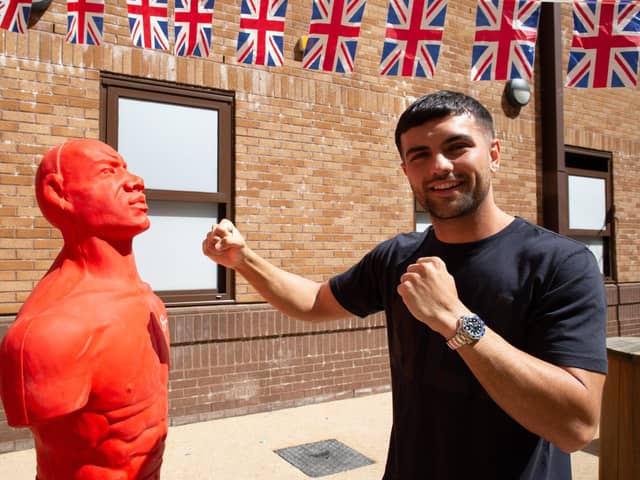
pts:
[440, 105]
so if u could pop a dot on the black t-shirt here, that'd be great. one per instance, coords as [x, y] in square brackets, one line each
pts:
[540, 291]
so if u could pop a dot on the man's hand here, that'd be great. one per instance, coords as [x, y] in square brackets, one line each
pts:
[430, 294]
[225, 245]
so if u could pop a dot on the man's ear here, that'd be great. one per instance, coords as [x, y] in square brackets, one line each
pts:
[494, 156]
[53, 191]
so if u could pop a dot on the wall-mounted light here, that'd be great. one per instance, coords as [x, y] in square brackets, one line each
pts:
[38, 7]
[518, 92]
[298, 50]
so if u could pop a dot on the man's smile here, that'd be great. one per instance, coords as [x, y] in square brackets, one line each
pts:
[446, 185]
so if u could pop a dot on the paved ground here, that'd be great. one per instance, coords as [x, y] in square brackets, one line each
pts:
[242, 448]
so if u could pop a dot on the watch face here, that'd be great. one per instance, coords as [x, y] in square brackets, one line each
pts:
[473, 326]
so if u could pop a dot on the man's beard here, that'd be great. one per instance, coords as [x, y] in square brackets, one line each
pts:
[465, 204]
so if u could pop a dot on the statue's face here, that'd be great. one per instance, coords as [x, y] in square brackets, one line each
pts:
[107, 200]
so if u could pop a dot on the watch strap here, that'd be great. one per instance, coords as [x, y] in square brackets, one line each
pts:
[459, 339]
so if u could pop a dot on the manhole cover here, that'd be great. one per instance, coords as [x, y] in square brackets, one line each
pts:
[323, 458]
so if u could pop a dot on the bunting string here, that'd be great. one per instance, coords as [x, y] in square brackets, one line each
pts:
[604, 53]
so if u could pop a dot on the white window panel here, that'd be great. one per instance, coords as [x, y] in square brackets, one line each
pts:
[422, 221]
[587, 203]
[596, 245]
[169, 255]
[172, 147]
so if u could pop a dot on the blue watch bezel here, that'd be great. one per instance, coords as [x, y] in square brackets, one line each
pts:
[473, 326]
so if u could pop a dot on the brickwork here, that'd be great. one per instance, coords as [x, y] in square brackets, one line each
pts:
[628, 313]
[318, 181]
[317, 184]
[246, 359]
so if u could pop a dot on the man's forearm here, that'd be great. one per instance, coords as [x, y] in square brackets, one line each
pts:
[293, 295]
[559, 404]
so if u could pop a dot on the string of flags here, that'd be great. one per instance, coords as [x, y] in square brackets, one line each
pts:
[604, 50]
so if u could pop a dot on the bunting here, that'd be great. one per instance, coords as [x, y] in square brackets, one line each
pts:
[261, 34]
[605, 45]
[505, 38]
[192, 24]
[148, 23]
[84, 21]
[14, 15]
[605, 48]
[333, 35]
[413, 37]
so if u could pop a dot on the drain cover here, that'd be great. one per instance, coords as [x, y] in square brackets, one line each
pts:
[323, 458]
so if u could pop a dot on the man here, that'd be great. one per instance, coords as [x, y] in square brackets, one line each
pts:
[496, 327]
[85, 365]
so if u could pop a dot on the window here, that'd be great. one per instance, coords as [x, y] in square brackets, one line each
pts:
[422, 218]
[589, 203]
[179, 140]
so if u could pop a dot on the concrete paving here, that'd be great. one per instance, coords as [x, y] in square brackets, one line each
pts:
[242, 448]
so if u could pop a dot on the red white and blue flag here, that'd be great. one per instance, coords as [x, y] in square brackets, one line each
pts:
[333, 35]
[85, 21]
[14, 15]
[605, 45]
[261, 34]
[413, 37]
[192, 25]
[148, 23]
[505, 39]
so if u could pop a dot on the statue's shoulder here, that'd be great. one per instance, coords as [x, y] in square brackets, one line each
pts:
[55, 332]
[44, 372]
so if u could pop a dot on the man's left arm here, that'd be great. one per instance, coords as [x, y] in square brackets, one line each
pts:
[559, 403]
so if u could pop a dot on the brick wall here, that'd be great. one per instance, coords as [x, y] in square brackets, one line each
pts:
[317, 176]
[628, 310]
[243, 359]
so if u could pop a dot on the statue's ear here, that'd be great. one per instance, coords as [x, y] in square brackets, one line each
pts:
[53, 191]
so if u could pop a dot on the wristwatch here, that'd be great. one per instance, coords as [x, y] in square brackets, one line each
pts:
[471, 328]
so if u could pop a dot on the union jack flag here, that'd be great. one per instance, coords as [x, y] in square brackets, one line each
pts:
[505, 39]
[192, 24]
[413, 37]
[261, 35]
[605, 45]
[14, 15]
[84, 21]
[333, 35]
[148, 23]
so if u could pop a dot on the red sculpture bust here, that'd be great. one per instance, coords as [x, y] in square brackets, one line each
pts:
[85, 365]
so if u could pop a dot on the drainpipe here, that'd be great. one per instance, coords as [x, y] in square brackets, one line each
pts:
[554, 172]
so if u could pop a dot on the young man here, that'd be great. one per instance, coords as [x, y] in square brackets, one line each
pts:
[85, 365]
[496, 327]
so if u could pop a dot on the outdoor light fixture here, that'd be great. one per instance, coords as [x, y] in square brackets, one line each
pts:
[38, 7]
[298, 49]
[518, 92]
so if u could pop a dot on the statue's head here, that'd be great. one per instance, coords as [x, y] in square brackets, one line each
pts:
[83, 187]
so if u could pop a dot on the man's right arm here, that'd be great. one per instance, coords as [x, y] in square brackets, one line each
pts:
[293, 295]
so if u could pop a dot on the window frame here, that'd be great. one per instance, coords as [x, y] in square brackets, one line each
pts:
[606, 233]
[112, 87]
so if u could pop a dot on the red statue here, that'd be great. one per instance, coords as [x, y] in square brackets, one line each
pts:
[85, 365]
